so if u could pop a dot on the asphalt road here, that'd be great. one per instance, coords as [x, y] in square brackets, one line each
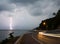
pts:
[35, 38]
[47, 39]
[27, 39]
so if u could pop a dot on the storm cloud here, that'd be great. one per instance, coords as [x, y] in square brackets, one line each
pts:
[27, 14]
[23, 1]
[35, 7]
[39, 7]
[6, 6]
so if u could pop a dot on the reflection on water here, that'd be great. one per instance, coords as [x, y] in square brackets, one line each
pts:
[5, 33]
[10, 31]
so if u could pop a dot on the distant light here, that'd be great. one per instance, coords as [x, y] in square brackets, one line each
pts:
[41, 33]
[44, 23]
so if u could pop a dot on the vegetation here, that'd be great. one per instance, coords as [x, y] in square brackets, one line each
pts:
[51, 23]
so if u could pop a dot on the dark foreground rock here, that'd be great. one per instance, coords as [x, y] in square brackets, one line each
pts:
[9, 40]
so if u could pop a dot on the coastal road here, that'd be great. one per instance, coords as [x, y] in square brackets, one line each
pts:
[36, 38]
[47, 38]
[27, 39]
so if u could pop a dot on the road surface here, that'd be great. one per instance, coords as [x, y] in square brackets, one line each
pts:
[35, 38]
[47, 39]
[27, 39]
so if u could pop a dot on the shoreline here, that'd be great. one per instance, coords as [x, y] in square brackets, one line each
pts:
[9, 41]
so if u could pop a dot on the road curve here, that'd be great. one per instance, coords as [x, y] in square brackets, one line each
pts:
[27, 39]
[47, 39]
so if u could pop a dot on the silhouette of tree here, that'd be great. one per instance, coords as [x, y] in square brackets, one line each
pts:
[54, 13]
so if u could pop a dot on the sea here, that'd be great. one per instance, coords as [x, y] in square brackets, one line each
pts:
[5, 33]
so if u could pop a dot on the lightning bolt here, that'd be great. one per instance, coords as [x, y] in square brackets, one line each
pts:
[11, 22]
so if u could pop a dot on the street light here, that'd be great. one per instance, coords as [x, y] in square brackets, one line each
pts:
[45, 26]
[44, 23]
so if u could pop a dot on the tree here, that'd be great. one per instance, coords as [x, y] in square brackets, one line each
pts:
[51, 23]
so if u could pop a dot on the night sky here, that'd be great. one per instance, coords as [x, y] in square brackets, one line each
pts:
[26, 14]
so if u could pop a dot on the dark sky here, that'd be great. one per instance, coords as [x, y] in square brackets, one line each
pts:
[26, 14]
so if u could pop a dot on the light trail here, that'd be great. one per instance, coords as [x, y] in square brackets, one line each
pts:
[48, 34]
[11, 22]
